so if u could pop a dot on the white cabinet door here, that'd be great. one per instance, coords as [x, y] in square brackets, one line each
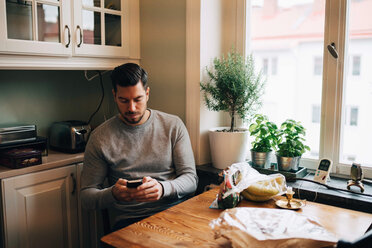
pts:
[40, 209]
[38, 27]
[95, 29]
[102, 28]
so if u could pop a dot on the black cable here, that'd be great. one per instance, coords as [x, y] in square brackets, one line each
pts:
[327, 186]
[103, 95]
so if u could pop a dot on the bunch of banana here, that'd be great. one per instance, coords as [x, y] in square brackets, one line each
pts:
[264, 190]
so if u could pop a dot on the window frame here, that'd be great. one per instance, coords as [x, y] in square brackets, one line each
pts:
[333, 77]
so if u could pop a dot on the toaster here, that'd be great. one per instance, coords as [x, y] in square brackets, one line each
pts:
[69, 136]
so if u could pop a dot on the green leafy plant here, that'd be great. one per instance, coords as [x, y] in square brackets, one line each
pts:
[265, 133]
[234, 87]
[291, 138]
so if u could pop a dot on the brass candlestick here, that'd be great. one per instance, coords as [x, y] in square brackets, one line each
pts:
[289, 194]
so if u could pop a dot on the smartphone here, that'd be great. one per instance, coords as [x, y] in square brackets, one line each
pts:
[134, 183]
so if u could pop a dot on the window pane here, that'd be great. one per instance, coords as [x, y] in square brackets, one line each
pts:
[112, 4]
[91, 27]
[92, 3]
[292, 32]
[48, 23]
[19, 19]
[356, 144]
[112, 30]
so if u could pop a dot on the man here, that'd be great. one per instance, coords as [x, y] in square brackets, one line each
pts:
[138, 143]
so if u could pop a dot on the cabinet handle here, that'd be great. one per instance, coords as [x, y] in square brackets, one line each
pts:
[69, 35]
[81, 35]
[73, 183]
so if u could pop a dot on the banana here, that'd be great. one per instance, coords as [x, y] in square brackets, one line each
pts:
[256, 198]
[264, 190]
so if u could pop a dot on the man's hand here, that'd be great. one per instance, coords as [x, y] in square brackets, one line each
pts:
[121, 192]
[149, 190]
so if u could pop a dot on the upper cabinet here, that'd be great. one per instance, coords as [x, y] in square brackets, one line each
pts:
[67, 34]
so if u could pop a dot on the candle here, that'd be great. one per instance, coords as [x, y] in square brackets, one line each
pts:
[289, 190]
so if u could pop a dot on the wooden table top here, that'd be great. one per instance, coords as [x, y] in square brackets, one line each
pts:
[187, 224]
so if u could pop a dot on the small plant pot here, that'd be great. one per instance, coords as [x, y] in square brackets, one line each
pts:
[288, 163]
[261, 159]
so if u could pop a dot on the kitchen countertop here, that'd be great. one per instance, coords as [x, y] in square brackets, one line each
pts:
[53, 160]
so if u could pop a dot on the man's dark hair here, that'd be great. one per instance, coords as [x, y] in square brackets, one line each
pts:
[128, 75]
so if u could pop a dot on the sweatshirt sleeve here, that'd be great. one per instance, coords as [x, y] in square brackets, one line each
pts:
[186, 180]
[93, 194]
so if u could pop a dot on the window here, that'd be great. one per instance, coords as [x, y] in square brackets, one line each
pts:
[351, 116]
[297, 32]
[318, 66]
[265, 66]
[356, 66]
[356, 137]
[274, 66]
[354, 116]
[292, 33]
[315, 115]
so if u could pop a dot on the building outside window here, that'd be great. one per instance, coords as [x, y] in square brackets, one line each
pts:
[296, 34]
[274, 66]
[318, 66]
[356, 66]
[265, 66]
[315, 114]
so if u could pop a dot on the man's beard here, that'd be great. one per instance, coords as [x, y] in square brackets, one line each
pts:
[132, 121]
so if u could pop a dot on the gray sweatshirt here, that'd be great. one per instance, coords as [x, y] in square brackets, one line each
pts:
[159, 148]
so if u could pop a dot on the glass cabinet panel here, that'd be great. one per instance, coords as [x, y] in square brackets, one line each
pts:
[113, 4]
[48, 23]
[92, 3]
[91, 27]
[112, 30]
[19, 19]
[20, 22]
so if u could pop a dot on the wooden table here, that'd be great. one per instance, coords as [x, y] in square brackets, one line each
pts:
[187, 224]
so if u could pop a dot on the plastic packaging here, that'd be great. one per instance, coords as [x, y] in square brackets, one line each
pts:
[265, 189]
[240, 176]
[264, 227]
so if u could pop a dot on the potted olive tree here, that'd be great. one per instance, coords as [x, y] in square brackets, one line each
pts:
[290, 145]
[236, 88]
[266, 139]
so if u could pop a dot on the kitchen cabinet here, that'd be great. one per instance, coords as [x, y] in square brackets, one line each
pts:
[80, 34]
[90, 221]
[41, 209]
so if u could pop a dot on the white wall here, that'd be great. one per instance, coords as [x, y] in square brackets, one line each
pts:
[178, 40]
[215, 24]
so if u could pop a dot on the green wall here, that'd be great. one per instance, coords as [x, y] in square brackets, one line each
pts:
[163, 53]
[42, 97]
